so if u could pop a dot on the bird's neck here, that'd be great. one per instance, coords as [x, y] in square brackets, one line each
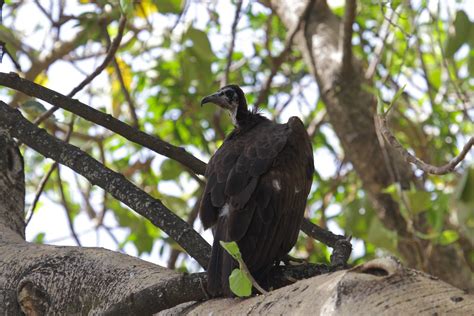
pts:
[241, 116]
[244, 119]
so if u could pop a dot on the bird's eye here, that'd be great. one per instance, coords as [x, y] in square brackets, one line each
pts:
[229, 94]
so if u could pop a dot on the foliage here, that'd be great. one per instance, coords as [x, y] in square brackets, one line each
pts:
[175, 52]
[239, 281]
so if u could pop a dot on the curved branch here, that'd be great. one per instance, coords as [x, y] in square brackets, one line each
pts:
[179, 154]
[447, 168]
[116, 184]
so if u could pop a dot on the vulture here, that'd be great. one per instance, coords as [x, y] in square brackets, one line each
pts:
[257, 185]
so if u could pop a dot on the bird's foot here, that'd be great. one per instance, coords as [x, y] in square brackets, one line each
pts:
[289, 260]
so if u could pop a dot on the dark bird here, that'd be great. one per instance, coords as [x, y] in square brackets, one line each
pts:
[257, 185]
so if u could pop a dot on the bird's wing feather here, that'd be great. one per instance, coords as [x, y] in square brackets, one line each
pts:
[234, 170]
[280, 199]
[269, 172]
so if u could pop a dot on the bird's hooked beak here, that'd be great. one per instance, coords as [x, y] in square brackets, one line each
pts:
[217, 98]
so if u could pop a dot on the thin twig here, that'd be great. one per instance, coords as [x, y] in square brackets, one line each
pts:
[225, 79]
[110, 55]
[349, 18]
[175, 252]
[12, 58]
[126, 93]
[112, 236]
[39, 191]
[380, 46]
[181, 15]
[67, 209]
[278, 60]
[46, 177]
[460, 93]
[318, 120]
[447, 168]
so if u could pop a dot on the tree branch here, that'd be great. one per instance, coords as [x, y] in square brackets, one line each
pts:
[392, 140]
[116, 184]
[179, 154]
[349, 18]
[67, 209]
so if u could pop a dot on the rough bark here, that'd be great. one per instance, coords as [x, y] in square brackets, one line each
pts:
[379, 287]
[351, 112]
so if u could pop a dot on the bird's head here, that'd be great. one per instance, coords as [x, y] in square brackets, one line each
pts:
[231, 98]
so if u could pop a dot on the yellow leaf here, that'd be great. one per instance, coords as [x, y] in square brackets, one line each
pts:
[145, 8]
[41, 79]
[126, 72]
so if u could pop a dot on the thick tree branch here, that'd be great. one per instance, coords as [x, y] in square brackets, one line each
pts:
[392, 140]
[86, 112]
[116, 184]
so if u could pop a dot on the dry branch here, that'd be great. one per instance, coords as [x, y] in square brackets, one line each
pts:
[447, 168]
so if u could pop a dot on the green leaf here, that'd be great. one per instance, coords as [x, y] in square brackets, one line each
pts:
[39, 239]
[34, 107]
[395, 97]
[380, 236]
[169, 6]
[239, 283]
[201, 45]
[465, 189]
[419, 201]
[170, 170]
[470, 63]
[126, 6]
[461, 33]
[232, 248]
[448, 237]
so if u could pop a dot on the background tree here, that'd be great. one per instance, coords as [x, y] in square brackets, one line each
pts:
[151, 68]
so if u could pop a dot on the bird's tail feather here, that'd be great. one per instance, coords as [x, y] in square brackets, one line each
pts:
[221, 264]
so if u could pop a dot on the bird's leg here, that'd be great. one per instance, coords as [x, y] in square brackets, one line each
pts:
[289, 260]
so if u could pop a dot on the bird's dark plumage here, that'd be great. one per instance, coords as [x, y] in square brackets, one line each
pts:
[257, 185]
